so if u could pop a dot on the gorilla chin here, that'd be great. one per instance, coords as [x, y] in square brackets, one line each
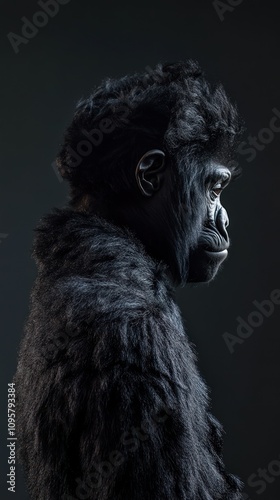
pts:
[204, 265]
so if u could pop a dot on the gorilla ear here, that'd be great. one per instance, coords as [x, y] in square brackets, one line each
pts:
[149, 171]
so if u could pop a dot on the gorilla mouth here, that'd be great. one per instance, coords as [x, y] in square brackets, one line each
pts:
[214, 243]
[216, 254]
[223, 251]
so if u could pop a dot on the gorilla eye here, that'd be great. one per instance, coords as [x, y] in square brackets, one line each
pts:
[221, 181]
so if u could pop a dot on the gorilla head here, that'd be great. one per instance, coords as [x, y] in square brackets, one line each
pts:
[153, 152]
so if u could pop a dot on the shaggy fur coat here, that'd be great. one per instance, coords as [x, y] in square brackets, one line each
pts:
[110, 404]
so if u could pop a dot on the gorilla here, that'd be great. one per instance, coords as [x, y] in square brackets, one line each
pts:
[110, 404]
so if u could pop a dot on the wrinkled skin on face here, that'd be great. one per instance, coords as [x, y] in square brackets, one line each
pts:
[165, 225]
[212, 248]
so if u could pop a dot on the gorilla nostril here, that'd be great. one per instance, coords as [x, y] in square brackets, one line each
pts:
[222, 222]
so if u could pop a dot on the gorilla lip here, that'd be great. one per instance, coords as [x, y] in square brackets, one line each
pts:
[221, 254]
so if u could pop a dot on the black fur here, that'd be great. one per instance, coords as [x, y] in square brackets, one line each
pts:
[129, 359]
[110, 405]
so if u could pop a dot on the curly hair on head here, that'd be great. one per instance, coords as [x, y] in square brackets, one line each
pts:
[172, 106]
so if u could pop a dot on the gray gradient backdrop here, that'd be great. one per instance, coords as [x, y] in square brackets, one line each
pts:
[85, 42]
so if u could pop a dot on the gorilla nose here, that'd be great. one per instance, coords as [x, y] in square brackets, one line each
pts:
[222, 222]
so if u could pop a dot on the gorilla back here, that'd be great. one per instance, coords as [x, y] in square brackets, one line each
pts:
[110, 403]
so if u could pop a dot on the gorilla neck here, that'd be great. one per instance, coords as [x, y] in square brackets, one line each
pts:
[157, 234]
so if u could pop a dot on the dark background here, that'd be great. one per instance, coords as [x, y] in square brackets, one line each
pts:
[85, 42]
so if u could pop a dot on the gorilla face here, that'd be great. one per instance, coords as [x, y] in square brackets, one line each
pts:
[168, 237]
[213, 243]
